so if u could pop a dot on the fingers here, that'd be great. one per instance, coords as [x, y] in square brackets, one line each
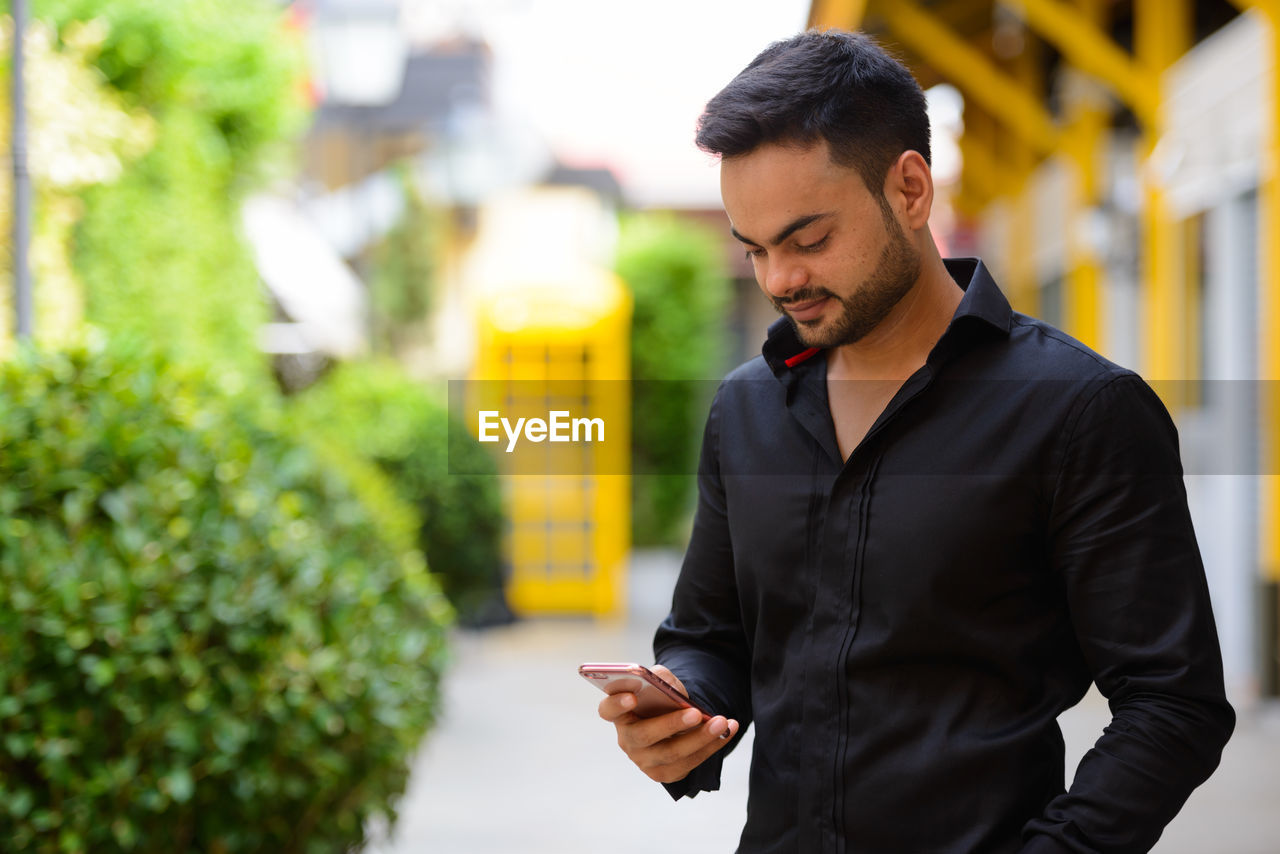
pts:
[681, 769]
[667, 747]
[644, 733]
[614, 707]
[673, 758]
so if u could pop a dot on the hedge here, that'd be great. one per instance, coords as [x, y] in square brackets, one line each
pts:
[376, 410]
[210, 638]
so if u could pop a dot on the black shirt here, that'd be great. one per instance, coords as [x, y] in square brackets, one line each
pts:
[904, 627]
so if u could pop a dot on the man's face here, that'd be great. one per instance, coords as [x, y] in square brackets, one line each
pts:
[826, 252]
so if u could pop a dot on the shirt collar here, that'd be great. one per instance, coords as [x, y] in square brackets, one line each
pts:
[982, 298]
[983, 303]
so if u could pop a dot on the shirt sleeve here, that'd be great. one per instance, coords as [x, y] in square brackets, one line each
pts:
[702, 640]
[1123, 548]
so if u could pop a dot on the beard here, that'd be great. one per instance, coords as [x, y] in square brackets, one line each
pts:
[862, 311]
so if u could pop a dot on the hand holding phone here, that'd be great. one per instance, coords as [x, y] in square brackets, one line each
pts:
[659, 729]
[654, 696]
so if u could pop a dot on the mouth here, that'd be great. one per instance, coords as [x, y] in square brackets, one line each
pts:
[802, 312]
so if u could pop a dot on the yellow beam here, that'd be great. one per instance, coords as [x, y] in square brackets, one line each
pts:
[971, 71]
[1090, 49]
[846, 14]
[1270, 8]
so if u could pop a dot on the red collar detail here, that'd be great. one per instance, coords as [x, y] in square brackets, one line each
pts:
[801, 357]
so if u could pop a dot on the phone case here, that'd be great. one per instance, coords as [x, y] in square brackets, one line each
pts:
[653, 695]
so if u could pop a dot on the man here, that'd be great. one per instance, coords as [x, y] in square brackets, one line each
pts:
[926, 523]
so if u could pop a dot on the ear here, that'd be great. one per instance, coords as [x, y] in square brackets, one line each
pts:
[908, 186]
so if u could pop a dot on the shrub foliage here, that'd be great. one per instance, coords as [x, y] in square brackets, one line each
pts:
[678, 276]
[377, 411]
[209, 640]
[159, 251]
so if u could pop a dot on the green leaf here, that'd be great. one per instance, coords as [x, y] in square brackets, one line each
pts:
[103, 673]
[78, 637]
[178, 785]
[19, 745]
[20, 803]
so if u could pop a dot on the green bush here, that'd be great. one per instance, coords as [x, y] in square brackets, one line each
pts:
[159, 251]
[677, 273]
[377, 411]
[403, 268]
[210, 640]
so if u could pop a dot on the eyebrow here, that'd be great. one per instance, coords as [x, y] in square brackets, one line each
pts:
[787, 230]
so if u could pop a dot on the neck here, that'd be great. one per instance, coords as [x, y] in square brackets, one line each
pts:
[898, 347]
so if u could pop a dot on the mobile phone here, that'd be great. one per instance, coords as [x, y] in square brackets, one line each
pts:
[653, 695]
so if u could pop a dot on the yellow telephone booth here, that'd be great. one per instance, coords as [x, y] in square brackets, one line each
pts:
[549, 396]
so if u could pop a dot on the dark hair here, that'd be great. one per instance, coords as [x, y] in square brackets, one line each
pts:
[829, 85]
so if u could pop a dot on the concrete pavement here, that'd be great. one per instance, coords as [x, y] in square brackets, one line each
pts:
[520, 764]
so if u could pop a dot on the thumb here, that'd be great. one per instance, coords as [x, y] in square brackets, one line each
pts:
[670, 678]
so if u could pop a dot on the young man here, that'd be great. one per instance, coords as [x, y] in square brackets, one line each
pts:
[926, 523]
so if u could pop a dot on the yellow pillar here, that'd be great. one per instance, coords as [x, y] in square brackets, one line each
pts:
[1022, 159]
[1269, 306]
[1087, 121]
[1024, 284]
[1085, 318]
[976, 176]
[1162, 33]
[997, 167]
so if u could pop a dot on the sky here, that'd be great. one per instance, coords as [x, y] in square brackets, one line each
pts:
[615, 82]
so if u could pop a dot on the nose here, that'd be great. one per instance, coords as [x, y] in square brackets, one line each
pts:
[781, 277]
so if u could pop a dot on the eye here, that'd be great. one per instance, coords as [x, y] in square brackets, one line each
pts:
[754, 252]
[815, 246]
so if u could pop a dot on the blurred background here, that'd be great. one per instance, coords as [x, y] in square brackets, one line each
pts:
[264, 261]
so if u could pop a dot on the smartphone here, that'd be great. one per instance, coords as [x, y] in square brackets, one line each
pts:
[653, 695]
